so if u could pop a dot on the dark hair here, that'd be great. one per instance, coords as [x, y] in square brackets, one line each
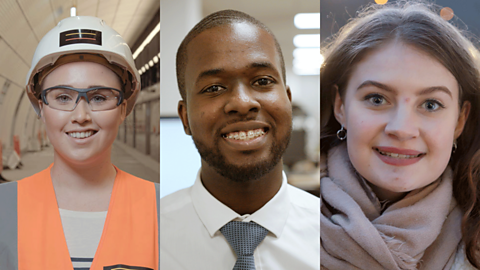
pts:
[223, 17]
[417, 24]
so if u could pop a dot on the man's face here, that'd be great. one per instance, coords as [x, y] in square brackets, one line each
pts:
[238, 109]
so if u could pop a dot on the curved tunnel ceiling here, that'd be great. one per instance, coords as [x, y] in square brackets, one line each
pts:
[22, 24]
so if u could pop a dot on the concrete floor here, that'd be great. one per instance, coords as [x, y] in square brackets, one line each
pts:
[123, 156]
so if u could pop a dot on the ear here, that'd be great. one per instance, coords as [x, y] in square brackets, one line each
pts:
[339, 107]
[289, 94]
[123, 111]
[182, 112]
[40, 105]
[462, 118]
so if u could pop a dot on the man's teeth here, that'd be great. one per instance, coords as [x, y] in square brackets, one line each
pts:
[80, 135]
[395, 155]
[245, 135]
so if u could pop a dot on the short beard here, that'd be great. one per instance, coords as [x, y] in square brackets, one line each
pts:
[249, 171]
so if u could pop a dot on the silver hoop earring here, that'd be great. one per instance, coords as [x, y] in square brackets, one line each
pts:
[342, 134]
[454, 148]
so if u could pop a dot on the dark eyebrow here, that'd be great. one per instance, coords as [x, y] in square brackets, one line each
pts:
[433, 89]
[209, 72]
[422, 92]
[376, 84]
[261, 65]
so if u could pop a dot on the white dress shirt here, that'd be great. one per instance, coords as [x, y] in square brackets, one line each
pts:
[190, 237]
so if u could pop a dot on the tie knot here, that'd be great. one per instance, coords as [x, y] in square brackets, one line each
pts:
[244, 237]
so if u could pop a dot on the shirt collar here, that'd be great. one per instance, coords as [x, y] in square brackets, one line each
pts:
[214, 214]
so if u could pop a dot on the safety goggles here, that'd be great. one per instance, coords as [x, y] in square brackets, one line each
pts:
[66, 98]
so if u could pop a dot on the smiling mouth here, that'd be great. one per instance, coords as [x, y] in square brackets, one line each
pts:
[81, 135]
[245, 135]
[399, 156]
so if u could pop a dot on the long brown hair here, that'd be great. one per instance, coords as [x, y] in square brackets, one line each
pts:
[418, 24]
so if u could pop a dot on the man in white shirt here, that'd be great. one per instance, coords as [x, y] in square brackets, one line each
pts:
[237, 108]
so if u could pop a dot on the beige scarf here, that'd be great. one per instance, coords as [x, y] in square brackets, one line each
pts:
[421, 231]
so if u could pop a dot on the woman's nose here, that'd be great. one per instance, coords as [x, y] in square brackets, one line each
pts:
[82, 111]
[402, 124]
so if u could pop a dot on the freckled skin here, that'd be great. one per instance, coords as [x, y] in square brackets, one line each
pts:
[232, 49]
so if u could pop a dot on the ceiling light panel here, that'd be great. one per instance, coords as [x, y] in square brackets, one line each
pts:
[307, 41]
[307, 20]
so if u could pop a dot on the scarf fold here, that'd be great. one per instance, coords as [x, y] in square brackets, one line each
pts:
[421, 231]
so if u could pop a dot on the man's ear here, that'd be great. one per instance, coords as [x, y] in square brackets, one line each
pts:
[462, 119]
[339, 107]
[289, 94]
[182, 112]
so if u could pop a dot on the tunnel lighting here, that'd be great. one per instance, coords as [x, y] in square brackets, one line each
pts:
[155, 59]
[140, 72]
[73, 11]
[150, 63]
[142, 69]
[158, 55]
[307, 61]
[307, 41]
[307, 21]
[146, 41]
[146, 67]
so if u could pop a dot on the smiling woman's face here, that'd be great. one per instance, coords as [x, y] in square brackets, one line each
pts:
[82, 136]
[401, 112]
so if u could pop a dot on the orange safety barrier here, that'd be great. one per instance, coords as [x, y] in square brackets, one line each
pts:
[16, 144]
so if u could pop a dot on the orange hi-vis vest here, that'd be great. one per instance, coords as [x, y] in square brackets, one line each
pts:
[130, 237]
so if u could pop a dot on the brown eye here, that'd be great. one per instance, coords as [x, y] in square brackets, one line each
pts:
[263, 82]
[213, 89]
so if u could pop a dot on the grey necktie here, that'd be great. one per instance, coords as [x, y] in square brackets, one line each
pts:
[244, 237]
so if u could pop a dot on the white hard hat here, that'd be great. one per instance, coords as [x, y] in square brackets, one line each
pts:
[83, 38]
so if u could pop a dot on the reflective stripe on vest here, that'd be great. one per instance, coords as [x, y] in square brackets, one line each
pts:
[8, 226]
[130, 237]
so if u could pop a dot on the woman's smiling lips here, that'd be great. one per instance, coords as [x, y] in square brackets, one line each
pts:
[81, 136]
[398, 156]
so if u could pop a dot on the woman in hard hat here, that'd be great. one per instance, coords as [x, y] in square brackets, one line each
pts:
[82, 211]
[400, 143]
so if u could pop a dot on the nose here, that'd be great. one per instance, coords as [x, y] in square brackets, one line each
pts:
[82, 111]
[402, 124]
[242, 100]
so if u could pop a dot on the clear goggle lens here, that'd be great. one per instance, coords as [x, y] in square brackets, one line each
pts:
[66, 98]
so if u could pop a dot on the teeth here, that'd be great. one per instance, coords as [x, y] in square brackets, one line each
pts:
[245, 135]
[80, 135]
[395, 155]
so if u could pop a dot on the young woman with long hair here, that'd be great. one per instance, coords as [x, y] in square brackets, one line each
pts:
[400, 141]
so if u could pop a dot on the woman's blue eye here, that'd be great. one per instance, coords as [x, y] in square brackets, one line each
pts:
[432, 105]
[63, 98]
[376, 99]
[98, 98]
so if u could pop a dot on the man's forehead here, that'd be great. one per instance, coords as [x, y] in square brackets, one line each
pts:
[219, 46]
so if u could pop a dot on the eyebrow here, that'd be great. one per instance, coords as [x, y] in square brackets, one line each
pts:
[209, 72]
[263, 64]
[216, 71]
[387, 88]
